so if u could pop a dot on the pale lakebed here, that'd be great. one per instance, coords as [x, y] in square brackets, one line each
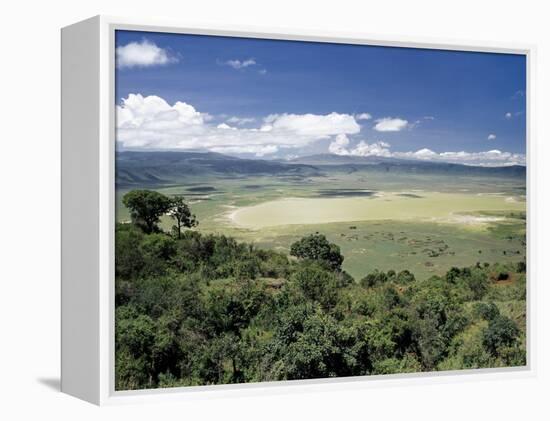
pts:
[445, 207]
[424, 224]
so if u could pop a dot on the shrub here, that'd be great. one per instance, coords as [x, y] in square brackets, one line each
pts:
[373, 279]
[501, 332]
[405, 277]
[487, 311]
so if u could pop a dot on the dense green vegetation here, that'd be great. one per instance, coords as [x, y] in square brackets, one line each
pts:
[197, 309]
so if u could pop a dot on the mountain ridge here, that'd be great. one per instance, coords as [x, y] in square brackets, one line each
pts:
[152, 168]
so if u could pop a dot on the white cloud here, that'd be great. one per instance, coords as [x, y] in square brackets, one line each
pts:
[363, 116]
[340, 146]
[312, 125]
[142, 54]
[238, 64]
[424, 153]
[225, 126]
[153, 113]
[152, 123]
[508, 115]
[241, 120]
[490, 158]
[371, 149]
[492, 136]
[257, 150]
[389, 124]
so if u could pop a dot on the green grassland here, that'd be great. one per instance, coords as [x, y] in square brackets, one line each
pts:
[420, 222]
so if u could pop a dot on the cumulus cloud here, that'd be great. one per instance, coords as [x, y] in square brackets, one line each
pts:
[225, 126]
[152, 123]
[492, 136]
[363, 116]
[423, 153]
[153, 113]
[371, 149]
[389, 124]
[312, 125]
[142, 54]
[240, 120]
[340, 146]
[240, 64]
[257, 150]
[492, 158]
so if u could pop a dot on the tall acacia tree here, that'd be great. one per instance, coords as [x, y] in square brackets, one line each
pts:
[180, 212]
[146, 207]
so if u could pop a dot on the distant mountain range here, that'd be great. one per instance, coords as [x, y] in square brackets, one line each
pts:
[153, 168]
[405, 165]
[169, 167]
[332, 159]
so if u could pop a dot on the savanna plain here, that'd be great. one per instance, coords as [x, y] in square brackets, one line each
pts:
[293, 270]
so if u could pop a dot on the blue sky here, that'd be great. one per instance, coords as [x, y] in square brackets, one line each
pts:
[280, 99]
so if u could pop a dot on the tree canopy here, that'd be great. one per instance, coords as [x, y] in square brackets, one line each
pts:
[146, 207]
[317, 247]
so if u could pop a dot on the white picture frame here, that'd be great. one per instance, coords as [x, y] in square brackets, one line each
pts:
[88, 133]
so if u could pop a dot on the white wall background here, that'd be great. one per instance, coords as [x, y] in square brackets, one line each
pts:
[29, 205]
